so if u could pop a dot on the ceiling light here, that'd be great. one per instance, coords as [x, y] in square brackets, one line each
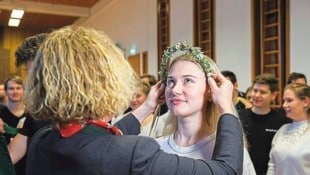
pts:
[14, 22]
[17, 13]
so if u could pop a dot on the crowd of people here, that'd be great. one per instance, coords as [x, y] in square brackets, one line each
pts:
[76, 113]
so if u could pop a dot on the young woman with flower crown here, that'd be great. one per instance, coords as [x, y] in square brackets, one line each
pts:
[189, 99]
[77, 85]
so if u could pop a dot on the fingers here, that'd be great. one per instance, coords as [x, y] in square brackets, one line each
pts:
[158, 84]
[156, 95]
[221, 90]
[216, 80]
[212, 82]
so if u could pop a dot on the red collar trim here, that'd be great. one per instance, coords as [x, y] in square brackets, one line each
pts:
[74, 127]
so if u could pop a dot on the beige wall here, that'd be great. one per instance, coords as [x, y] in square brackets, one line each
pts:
[11, 38]
[134, 22]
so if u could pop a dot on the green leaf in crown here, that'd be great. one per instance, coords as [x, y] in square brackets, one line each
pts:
[185, 49]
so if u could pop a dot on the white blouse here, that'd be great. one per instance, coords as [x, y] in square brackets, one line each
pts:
[201, 150]
[290, 151]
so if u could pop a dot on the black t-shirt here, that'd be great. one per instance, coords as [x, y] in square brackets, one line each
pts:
[31, 126]
[13, 121]
[259, 131]
[239, 106]
[9, 118]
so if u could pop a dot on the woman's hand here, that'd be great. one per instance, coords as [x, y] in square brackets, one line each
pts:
[222, 92]
[156, 96]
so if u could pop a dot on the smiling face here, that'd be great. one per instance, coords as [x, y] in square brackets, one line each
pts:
[138, 99]
[186, 91]
[262, 96]
[295, 101]
[14, 91]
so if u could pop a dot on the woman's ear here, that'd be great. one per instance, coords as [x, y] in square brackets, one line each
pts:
[208, 94]
[306, 102]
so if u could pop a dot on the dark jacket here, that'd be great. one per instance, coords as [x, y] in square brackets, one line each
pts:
[94, 151]
[6, 165]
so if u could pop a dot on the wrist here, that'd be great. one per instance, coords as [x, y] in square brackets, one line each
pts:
[228, 109]
[143, 111]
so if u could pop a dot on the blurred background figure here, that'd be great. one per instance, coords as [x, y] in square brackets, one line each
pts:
[18, 145]
[238, 96]
[142, 90]
[149, 79]
[26, 52]
[289, 153]
[3, 98]
[248, 94]
[13, 115]
[296, 77]
[261, 122]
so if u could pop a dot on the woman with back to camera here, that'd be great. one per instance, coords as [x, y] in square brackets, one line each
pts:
[78, 86]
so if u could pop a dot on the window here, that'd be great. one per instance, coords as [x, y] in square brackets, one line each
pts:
[271, 54]
[204, 26]
[163, 23]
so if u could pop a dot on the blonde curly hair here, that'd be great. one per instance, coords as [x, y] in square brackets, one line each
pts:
[79, 74]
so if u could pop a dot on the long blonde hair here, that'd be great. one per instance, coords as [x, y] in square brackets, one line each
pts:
[79, 74]
[212, 112]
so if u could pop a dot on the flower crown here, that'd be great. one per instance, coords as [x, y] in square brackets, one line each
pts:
[185, 49]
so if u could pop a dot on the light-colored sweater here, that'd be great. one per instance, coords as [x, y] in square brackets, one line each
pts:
[290, 152]
[201, 150]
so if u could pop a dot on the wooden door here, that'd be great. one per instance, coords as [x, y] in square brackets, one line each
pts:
[139, 63]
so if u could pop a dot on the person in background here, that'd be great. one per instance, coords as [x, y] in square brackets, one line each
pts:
[290, 151]
[248, 94]
[149, 79]
[140, 96]
[296, 77]
[77, 86]
[17, 148]
[142, 90]
[238, 96]
[3, 97]
[189, 99]
[231, 76]
[13, 115]
[26, 52]
[260, 123]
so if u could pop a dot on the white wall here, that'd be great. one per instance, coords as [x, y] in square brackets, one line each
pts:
[130, 22]
[233, 39]
[181, 21]
[300, 36]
